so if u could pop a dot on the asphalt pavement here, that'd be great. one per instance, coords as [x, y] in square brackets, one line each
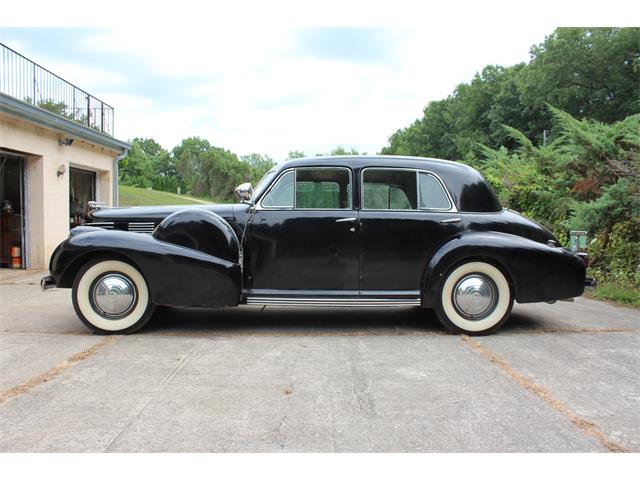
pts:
[556, 378]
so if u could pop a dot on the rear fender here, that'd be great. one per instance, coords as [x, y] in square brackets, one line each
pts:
[535, 271]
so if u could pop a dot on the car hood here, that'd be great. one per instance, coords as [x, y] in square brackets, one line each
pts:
[157, 213]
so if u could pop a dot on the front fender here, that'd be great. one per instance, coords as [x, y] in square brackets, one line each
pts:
[200, 230]
[177, 276]
[536, 272]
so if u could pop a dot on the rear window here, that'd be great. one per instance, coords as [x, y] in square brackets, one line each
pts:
[431, 193]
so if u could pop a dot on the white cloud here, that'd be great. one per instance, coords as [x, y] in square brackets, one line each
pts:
[255, 90]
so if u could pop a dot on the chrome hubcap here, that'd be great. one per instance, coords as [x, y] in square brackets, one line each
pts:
[475, 296]
[114, 296]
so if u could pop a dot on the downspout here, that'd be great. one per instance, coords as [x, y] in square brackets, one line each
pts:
[116, 161]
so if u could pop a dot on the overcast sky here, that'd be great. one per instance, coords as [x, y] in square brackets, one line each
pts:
[270, 91]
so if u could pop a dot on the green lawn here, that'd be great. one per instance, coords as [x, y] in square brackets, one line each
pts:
[625, 295]
[134, 196]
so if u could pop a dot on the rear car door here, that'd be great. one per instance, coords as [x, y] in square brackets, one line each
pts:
[406, 214]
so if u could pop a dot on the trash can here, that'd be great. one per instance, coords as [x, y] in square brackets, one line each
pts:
[578, 240]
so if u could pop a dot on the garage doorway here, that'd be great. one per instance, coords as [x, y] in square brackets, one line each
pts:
[82, 190]
[11, 211]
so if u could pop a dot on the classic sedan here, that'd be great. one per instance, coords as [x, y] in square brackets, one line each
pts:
[326, 231]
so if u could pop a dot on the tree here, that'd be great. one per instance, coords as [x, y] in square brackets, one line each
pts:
[587, 178]
[343, 151]
[259, 165]
[587, 72]
[187, 160]
[136, 168]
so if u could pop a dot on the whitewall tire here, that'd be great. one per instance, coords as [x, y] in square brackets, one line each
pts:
[474, 298]
[111, 296]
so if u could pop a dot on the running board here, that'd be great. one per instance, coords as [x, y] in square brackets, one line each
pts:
[332, 302]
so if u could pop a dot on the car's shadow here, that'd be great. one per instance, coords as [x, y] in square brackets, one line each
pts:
[306, 320]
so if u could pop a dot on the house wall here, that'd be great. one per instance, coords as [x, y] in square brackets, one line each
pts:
[46, 193]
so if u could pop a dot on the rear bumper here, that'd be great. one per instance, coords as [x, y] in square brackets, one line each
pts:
[47, 283]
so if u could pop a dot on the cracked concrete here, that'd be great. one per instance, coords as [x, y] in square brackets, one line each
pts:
[556, 378]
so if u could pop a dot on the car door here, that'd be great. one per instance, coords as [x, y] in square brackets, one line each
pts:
[303, 234]
[406, 214]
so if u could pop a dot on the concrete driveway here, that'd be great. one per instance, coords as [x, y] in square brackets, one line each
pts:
[556, 378]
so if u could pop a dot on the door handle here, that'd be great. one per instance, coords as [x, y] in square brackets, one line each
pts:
[350, 219]
[451, 220]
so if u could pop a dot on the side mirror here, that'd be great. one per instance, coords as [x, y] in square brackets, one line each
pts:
[244, 192]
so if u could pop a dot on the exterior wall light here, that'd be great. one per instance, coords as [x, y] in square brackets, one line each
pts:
[61, 169]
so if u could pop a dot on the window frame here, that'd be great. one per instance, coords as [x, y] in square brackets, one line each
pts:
[259, 205]
[417, 171]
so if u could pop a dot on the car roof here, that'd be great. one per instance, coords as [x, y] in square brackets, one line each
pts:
[359, 161]
[469, 190]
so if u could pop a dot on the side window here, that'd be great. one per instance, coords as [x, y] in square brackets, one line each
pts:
[325, 188]
[432, 195]
[281, 195]
[389, 189]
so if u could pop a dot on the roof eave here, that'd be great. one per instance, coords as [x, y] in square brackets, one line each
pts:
[30, 113]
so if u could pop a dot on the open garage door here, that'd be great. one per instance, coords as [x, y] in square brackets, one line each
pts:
[11, 211]
[82, 190]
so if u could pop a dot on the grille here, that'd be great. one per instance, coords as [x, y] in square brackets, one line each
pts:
[105, 225]
[141, 227]
[136, 227]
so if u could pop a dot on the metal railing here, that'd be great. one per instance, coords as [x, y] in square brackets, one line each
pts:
[27, 81]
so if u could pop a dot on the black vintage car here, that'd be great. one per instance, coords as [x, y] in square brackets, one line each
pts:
[340, 231]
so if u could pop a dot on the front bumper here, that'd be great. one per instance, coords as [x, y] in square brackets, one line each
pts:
[590, 282]
[47, 283]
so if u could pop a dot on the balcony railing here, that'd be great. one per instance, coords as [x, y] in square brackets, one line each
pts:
[27, 81]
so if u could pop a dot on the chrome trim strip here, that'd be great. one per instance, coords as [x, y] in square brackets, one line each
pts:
[333, 302]
[141, 227]
[105, 225]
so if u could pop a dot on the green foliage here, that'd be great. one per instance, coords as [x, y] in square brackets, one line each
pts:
[617, 293]
[340, 150]
[136, 169]
[586, 179]
[59, 108]
[343, 151]
[259, 165]
[208, 170]
[616, 259]
[586, 72]
[193, 166]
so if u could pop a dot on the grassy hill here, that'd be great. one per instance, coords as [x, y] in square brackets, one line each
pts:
[134, 196]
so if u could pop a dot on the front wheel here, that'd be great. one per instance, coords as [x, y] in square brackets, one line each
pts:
[111, 296]
[474, 298]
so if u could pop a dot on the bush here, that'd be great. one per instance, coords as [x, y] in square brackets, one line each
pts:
[616, 259]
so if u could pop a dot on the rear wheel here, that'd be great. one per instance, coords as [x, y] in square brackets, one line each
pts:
[111, 296]
[474, 298]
